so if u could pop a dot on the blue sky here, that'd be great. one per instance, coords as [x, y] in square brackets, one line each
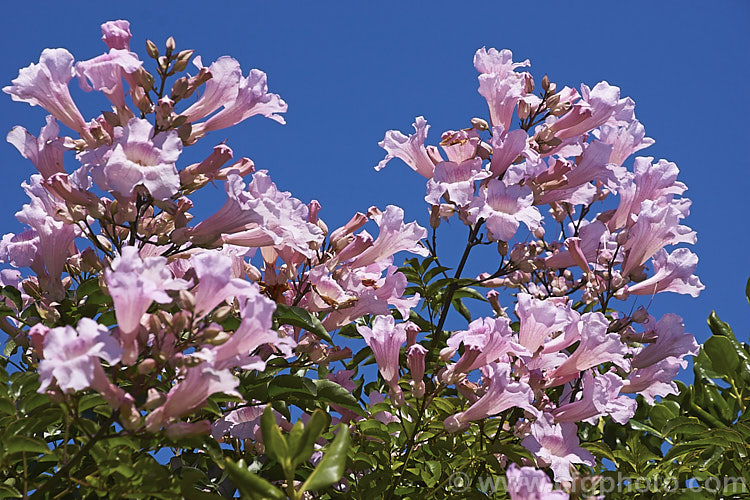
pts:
[352, 70]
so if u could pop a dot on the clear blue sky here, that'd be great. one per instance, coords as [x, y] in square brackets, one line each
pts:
[352, 70]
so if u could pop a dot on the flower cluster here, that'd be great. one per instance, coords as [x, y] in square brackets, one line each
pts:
[568, 155]
[132, 298]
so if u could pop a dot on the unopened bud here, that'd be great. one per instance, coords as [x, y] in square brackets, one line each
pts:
[179, 88]
[545, 83]
[186, 300]
[640, 315]
[524, 110]
[170, 45]
[484, 150]
[252, 273]
[480, 124]
[435, 216]
[163, 63]
[218, 338]
[151, 49]
[446, 353]
[146, 366]
[183, 58]
[561, 109]
[539, 233]
[179, 322]
[621, 238]
[545, 134]
[322, 225]
[502, 248]
[222, 313]
[154, 399]
[529, 83]
[553, 101]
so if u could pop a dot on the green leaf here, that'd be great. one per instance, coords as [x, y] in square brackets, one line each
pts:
[14, 295]
[10, 347]
[600, 449]
[685, 425]
[7, 407]
[18, 444]
[718, 327]
[305, 445]
[468, 292]
[296, 316]
[8, 491]
[332, 465]
[724, 358]
[273, 439]
[747, 290]
[251, 485]
[331, 392]
[285, 384]
[461, 308]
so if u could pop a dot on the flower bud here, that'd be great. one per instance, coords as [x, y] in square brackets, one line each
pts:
[146, 366]
[179, 88]
[552, 101]
[446, 353]
[561, 109]
[222, 313]
[219, 336]
[528, 83]
[484, 150]
[170, 45]
[480, 124]
[182, 60]
[154, 399]
[640, 315]
[502, 248]
[435, 216]
[545, 83]
[185, 300]
[621, 238]
[411, 333]
[151, 49]
[523, 110]
[252, 273]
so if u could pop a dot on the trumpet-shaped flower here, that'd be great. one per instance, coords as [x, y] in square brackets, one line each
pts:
[671, 341]
[46, 84]
[385, 338]
[71, 355]
[597, 346]
[45, 152]
[503, 208]
[135, 283]
[137, 157]
[600, 396]
[394, 236]
[556, 446]
[105, 73]
[410, 149]
[456, 180]
[528, 483]
[539, 320]
[503, 393]
[649, 181]
[215, 282]
[116, 34]
[672, 273]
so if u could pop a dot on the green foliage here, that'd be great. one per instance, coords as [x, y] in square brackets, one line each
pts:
[701, 434]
